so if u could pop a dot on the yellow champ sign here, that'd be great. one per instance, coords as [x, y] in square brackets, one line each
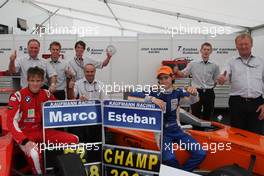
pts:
[138, 159]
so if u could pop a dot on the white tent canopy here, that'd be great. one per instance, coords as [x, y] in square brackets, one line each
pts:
[130, 17]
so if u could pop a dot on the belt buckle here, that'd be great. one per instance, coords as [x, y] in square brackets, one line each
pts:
[247, 99]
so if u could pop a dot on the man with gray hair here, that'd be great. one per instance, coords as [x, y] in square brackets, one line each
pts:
[246, 76]
[22, 65]
[88, 87]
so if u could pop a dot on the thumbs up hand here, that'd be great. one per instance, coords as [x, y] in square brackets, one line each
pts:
[13, 56]
[222, 78]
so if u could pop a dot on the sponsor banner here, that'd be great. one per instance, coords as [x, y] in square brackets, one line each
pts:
[115, 171]
[142, 160]
[132, 136]
[136, 115]
[71, 113]
[81, 118]
[94, 169]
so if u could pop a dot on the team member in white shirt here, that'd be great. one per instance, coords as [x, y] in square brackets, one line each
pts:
[62, 69]
[78, 62]
[246, 75]
[88, 87]
[22, 65]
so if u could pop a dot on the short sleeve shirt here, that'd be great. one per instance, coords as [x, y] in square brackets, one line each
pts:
[23, 64]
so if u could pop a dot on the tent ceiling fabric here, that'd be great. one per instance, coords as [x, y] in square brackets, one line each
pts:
[233, 12]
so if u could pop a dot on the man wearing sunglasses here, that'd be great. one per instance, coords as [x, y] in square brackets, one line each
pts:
[204, 75]
[246, 75]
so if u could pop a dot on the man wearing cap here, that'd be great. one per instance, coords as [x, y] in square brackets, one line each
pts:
[169, 99]
[204, 75]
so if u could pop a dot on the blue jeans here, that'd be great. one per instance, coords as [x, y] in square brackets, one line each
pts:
[174, 134]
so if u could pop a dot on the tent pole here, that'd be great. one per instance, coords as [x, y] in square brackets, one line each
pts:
[45, 21]
[176, 14]
[103, 16]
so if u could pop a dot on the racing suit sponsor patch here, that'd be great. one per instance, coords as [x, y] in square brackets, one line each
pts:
[31, 113]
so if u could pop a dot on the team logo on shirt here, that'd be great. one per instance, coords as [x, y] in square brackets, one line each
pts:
[27, 99]
[174, 104]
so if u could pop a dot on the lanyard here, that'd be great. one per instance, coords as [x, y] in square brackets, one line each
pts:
[79, 62]
[247, 63]
[86, 89]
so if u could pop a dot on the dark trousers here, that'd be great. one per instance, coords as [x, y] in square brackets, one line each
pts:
[204, 108]
[59, 94]
[173, 135]
[243, 113]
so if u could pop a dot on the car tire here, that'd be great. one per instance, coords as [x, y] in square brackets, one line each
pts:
[69, 165]
[230, 170]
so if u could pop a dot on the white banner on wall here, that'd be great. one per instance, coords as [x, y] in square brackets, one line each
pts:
[95, 49]
[187, 47]
[137, 58]
[152, 49]
[6, 48]
[224, 49]
[124, 65]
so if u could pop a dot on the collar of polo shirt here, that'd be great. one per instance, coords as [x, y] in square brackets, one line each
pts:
[208, 62]
[79, 58]
[86, 81]
[30, 58]
[251, 56]
[168, 91]
[52, 61]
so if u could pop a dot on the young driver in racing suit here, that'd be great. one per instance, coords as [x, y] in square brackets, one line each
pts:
[168, 101]
[25, 120]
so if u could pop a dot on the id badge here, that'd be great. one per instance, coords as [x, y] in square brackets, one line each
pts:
[174, 104]
[31, 113]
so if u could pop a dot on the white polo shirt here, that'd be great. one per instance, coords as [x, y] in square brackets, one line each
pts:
[23, 64]
[203, 74]
[246, 76]
[90, 90]
[61, 67]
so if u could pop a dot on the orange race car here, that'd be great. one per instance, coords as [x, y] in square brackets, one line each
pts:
[230, 151]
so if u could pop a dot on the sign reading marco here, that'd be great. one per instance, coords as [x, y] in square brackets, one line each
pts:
[71, 113]
[81, 118]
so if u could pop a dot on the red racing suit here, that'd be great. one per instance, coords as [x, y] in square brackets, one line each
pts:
[25, 124]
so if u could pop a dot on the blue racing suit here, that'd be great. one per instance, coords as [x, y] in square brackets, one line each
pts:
[172, 133]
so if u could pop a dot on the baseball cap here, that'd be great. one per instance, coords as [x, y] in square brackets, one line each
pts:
[164, 70]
